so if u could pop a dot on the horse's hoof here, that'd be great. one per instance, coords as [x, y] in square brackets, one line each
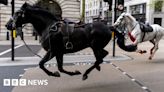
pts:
[98, 68]
[150, 58]
[85, 77]
[144, 51]
[56, 74]
[77, 72]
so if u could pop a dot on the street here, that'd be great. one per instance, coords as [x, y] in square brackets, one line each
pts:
[14, 71]
[11, 72]
[127, 72]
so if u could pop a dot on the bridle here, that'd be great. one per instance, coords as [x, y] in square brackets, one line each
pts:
[134, 26]
[19, 29]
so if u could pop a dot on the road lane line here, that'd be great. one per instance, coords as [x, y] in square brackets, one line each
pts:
[132, 79]
[9, 50]
[21, 75]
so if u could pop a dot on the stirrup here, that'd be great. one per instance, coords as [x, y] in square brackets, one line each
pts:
[69, 45]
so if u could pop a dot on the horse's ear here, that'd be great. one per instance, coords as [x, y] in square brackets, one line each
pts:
[25, 5]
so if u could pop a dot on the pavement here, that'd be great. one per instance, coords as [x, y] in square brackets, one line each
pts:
[127, 72]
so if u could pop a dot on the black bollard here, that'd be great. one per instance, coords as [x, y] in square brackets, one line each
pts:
[22, 36]
[7, 36]
[36, 36]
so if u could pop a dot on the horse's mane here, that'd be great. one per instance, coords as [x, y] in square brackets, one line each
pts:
[39, 10]
[130, 16]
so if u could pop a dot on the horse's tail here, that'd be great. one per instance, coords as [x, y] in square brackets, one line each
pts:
[162, 30]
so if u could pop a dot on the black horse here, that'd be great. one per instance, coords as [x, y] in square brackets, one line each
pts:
[57, 39]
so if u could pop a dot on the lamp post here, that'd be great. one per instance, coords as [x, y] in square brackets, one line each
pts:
[118, 5]
[114, 36]
[12, 32]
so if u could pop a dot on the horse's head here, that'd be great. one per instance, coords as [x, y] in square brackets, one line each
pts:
[37, 16]
[124, 18]
[18, 19]
[120, 20]
[125, 22]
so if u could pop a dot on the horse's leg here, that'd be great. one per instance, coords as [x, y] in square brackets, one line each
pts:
[59, 59]
[102, 54]
[155, 46]
[49, 55]
[99, 54]
[151, 50]
[138, 50]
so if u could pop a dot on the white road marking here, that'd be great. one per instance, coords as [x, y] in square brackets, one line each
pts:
[133, 79]
[21, 75]
[6, 51]
[124, 73]
[26, 69]
[144, 87]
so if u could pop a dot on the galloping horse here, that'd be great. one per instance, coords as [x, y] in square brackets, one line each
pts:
[55, 36]
[140, 32]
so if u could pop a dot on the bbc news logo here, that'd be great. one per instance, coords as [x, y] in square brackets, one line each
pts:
[24, 82]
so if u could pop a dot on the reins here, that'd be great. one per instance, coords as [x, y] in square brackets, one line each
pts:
[134, 26]
[48, 40]
[29, 47]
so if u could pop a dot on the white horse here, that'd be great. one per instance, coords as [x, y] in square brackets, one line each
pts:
[138, 34]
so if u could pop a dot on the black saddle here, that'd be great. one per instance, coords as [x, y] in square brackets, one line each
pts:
[67, 21]
[145, 27]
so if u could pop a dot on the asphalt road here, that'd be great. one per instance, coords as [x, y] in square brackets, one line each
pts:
[21, 51]
[14, 72]
[11, 72]
[4, 47]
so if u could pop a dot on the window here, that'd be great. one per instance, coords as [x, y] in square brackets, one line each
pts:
[138, 9]
[158, 6]
[125, 9]
[100, 4]
[158, 21]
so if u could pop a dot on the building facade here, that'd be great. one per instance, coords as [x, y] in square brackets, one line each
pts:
[95, 9]
[70, 9]
[151, 11]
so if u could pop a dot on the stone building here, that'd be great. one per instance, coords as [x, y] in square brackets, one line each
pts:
[147, 10]
[143, 10]
[69, 9]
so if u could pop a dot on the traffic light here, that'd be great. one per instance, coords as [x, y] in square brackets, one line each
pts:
[121, 2]
[5, 2]
[120, 5]
[110, 4]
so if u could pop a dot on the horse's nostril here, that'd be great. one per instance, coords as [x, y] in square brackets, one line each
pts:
[6, 26]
